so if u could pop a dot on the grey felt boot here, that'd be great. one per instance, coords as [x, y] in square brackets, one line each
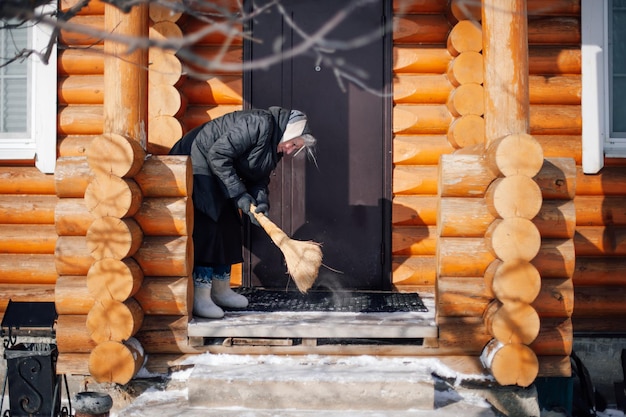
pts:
[203, 305]
[225, 297]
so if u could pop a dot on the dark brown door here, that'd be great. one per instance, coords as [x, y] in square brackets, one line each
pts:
[343, 202]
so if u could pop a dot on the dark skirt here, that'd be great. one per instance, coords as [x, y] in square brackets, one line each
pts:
[218, 242]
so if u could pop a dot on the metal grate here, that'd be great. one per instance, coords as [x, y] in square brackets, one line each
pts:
[342, 301]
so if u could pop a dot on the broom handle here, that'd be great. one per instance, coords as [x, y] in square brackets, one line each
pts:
[274, 232]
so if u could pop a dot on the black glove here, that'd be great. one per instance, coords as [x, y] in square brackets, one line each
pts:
[262, 202]
[243, 202]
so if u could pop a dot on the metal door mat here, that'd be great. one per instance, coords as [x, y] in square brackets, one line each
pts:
[267, 300]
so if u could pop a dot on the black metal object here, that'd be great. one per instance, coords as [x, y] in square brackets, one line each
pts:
[340, 301]
[34, 386]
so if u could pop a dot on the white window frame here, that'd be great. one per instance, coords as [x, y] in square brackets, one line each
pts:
[40, 144]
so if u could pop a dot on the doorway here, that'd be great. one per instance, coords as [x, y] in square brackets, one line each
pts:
[343, 198]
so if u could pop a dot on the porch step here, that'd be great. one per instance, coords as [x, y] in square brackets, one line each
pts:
[313, 383]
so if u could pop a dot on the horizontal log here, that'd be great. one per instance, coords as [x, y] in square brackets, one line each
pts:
[72, 176]
[422, 6]
[421, 89]
[198, 29]
[197, 115]
[409, 59]
[556, 219]
[165, 334]
[608, 182]
[81, 61]
[212, 60]
[466, 68]
[422, 29]
[116, 362]
[225, 89]
[544, 60]
[464, 10]
[610, 326]
[80, 120]
[413, 270]
[600, 241]
[465, 36]
[420, 149]
[513, 281]
[166, 216]
[467, 99]
[515, 154]
[27, 238]
[415, 179]
[596, 301]
[129, 155]
[555, 366]
[463, 217]
[109, 319]
[462, 335]
[165, 68]
[555, 337]
[554, 30]
[413, 241]
[561, 146]
[463, 256]
[165, 176]
[72, 335]
[72, 218]
[511, 364]
[81, 89]
[159, 13]
[27, 209]
[85, 38]
[560, 89]
[556, 298]
[600, 271]
[512, 322]
[462, 297]
[92, 7]
[165, 100]
[110, 195]
[414, 210]
[72, 296]
[598, 210]
[112, 237]
[27, 268]
[25, 292]
[72, 255]
[514, 196]
[117, 279]
[463, 176]
[556, 258]
[25, 180]
[465, 131]
[74, 145]
[166, 256]
[513, 238]
[163, 133]
[546, 119]
[558, 178]
[165, 296]
[553, 8]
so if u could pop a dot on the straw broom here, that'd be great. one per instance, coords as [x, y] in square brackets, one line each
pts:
[303, 259]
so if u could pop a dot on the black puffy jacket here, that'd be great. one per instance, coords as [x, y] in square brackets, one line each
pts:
[232, 154]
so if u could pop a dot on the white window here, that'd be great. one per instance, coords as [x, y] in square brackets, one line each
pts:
[28, 104]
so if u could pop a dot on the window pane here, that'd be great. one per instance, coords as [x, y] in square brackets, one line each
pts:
[617, 65]
[13, 81]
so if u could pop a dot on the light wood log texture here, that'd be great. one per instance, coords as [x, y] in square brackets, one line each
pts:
[18, 268]
[413, 59]
[414, 210]
[505, 52]
[555, 366]
[72, 296]
[25, 292]
[165, 100]
[27, 209]
[72, 218]
[74, 145]
[466, 68]
[198, 115]
[463, 256]
[165, 68]
[113, 154]
[554, 30]
[112, 237]
[561, 146]
[421, 119]
[596, 301]
[162, 30]
[72, 176]
[463, 9]
[562, 89]
[512, 322]
[608, 182]
[116, 361]
[415, 179]
[514, 196]
[556, 258]
[556, 219]
[169, 296]
[424, 89]
[513, 238]
[81, 89]
[600, 271]
[72, 255]
[599, 210]
[72, 335]
[549, 119]
[225, 89]
[555, 337]
[466, 99]
[423, 29]
[514, 154]
[80, 120]
[165, 176]
[463, 176]
[92, 7]
[114, 320]
[215, 61]
[511, 364]
[513, 281]
[26, 180]
[465, 36]
[110, 195]
[413, 241]
[94, 22]
[27, 238]
[553, 8]
[418, 6]
[117, 279]
[463, 217]
[607, 325]
[81, 61]
[165, 334]
[163, 133]
[462, 335]
[462, 297]
[467, 131]
[231, 32]
[126, 75]
[556, 298]
[414, 270]
[554, 60]
[166, 216]
[558, 179]
[600, 241]
[165, 256]
[159, 13]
